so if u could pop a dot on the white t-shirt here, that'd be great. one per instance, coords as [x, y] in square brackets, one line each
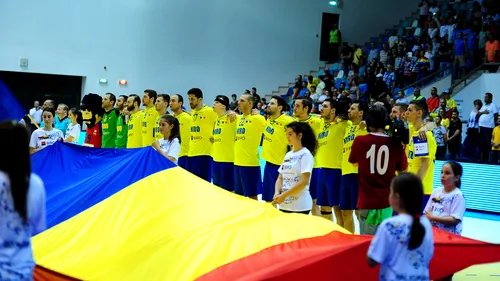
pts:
[488, 120]
[295, 164]
[36, 114]
[16, 256]
[42, 138]
[73, 131]
[171, 148]
[389, 248]
[442, 204]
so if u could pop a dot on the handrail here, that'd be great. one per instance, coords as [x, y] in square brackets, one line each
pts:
[432, 75]
[469, 75]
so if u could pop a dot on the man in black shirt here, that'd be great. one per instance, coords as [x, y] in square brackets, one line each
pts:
[346, 56]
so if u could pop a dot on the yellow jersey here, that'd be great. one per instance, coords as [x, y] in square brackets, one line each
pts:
[224, 134]
[414, 159]
[201, 131]
[134, 135]
[331, 144]
[248, 136]
[496, 137]
[148, 125]
[316, 124]
[184, 121]
[275, 144]
[351, 132]
[156, 131]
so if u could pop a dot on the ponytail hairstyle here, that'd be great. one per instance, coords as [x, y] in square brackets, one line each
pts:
[308, 139]
[457, 171]
[410, 190]
[175, 131]
[78, 114]
[14, 143]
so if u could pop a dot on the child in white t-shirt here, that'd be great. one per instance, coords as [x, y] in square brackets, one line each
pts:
[403, 245]
[446, 206]
[75, 128]
[292, 186]
[48, 135]
[170, 145]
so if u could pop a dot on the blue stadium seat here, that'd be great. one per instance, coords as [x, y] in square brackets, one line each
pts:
[409, 91]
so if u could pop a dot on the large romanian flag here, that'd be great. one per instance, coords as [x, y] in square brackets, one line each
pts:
[130, 214]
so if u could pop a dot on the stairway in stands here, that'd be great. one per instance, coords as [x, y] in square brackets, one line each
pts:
[379, 40]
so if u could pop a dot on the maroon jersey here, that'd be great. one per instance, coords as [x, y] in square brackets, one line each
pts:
[378, 160]
[93, 137]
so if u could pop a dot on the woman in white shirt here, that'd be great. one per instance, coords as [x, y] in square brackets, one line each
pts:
[47, 135]
[403, 245]
[292, 186]
[22, 204]
[75, 128]
[170, 145]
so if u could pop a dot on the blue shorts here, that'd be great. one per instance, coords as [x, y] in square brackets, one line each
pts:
[183, 162]
[247, 180]
[223, 175]
[313, 185]
[268, 186]
[201, 166]
[349, 192]
[329, 187]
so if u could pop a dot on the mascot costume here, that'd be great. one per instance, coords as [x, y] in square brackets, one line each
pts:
[92, 112]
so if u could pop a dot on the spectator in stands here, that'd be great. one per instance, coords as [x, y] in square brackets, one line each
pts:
[417, 95]
[234, 103]
[384, 53]
[424, 12]
[422, 65]
[434, 8]
[433, 100]
[476, 17]
[394, 39]
[495, 144]
[487, 116]
[377, 87]
[390, 78]
[444, 58]
[373, 55]
[460, 52]
[346, 56]
[357, 54]
[451, 104]
[439, 133]
[401, 98]
[492, 53]
[321, 84]
[354, 93]
[454, 135]
[399, 69]
[335, 39]
[483, 36]
[471, 142]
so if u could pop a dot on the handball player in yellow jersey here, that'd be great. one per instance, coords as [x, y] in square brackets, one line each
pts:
[331, 138]
[161, 106]
[247, 176]
[176, 103]
[136, 116]
[223, 141]
[301, 111]
[274, 145]
[200, 145]
[421, 152]
[150, 114]
[349, 186]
